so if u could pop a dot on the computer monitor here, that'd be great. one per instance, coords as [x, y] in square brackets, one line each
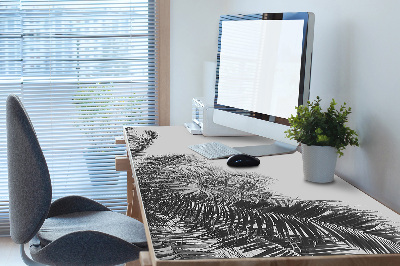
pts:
[263, 73]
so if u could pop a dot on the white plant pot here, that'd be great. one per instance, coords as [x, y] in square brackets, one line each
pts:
[319, 163]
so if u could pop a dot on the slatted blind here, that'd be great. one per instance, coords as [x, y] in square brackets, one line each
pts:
[83, 69]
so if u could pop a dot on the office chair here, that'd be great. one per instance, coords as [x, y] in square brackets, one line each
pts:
[70, 231]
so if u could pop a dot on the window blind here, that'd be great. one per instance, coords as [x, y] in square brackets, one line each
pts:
[83, 69]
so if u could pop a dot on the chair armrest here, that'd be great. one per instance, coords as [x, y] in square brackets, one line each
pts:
[72, 204]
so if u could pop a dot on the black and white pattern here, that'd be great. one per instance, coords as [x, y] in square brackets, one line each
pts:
[140, 142]
[198, 211]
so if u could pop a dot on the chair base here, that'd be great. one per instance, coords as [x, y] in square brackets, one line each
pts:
[26, 259]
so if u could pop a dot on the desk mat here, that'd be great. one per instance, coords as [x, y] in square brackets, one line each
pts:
[198, 211]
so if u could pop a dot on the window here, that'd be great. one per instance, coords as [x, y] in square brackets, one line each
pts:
[83, 69]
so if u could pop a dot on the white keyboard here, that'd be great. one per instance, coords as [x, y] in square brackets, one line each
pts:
[214, 150]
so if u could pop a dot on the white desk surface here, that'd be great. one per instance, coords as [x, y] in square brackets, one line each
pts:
[285, 169]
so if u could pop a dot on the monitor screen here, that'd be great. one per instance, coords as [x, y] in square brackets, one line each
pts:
[263, 71]
[260, 63]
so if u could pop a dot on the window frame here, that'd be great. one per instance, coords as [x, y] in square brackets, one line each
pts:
[163, 15]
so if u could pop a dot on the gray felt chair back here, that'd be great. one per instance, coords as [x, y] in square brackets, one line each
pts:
[28, 176]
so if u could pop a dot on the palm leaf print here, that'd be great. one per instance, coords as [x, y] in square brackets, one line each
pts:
[198, 211]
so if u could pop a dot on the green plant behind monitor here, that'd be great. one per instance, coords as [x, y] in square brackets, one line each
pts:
[312, 126]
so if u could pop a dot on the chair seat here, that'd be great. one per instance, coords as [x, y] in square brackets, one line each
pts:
[108, 222]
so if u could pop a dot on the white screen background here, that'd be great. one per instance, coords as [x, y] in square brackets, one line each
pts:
[260, 63]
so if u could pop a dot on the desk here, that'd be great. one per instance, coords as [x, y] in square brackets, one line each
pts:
[201, 212]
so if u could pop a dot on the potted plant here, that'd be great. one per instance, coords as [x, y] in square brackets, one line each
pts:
[323, 135]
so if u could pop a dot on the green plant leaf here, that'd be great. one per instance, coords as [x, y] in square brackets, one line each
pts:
[312, 126]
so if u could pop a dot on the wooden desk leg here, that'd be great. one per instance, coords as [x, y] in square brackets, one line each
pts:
[129, 192]
[122, 164]
[145, 259]
[136, 207]
[132, 197]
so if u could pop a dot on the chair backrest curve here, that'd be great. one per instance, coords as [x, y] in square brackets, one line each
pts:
[29, 183]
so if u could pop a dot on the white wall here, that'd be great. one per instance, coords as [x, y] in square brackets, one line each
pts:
[356, 59]
[194, 40]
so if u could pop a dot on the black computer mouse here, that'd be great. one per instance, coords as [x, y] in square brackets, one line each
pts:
[242, 160]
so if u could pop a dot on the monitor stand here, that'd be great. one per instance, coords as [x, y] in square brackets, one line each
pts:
[275, 148]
